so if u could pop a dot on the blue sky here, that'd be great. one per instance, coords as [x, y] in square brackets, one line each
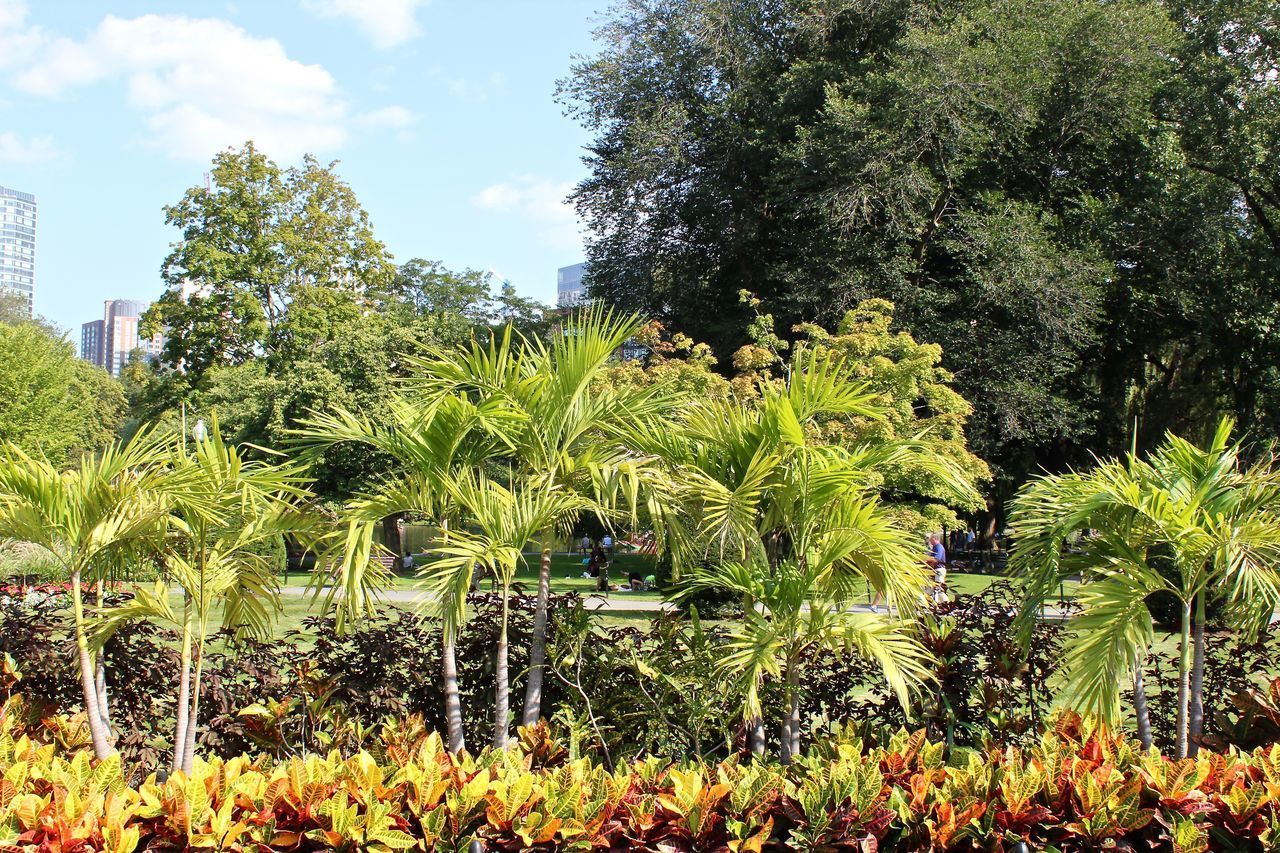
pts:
[441, 113]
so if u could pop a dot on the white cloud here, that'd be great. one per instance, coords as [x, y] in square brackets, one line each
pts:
[18, 41]
[35, 150]
[391, 118]
[386, 23]
[203, 84]
[539, 200]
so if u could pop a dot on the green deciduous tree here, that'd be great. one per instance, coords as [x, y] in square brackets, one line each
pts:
[254, 240]
[1076, 200]
[52, 403]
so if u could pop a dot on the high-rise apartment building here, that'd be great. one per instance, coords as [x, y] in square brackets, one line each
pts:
[18, 244]
[91, 341]
[569, 287]
[111, 341]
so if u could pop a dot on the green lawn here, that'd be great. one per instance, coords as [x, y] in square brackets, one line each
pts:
[566, 575]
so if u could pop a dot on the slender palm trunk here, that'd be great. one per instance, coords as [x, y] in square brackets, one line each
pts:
[1195, 716]
[100, 676]
[183, 710]
[102, 747]
[449, 662]
[794, 711]
[193, 718]
[755, 729]
[452, 702]
[538, 644]
[501, 689]
[791, 719]
[1184, 680]
[1140, 711]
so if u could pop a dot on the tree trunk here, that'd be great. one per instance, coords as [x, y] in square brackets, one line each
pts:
[501, 687]
[538, 643]
[1184, 680]
[100, 677]
[786, 731]
[1140, 711]
[452, 702]
[795, 711]
[755, 729]
[102, 747]
[183, 709]
[791, 719]
[193, 718]
[391, 538]
[1195, 717]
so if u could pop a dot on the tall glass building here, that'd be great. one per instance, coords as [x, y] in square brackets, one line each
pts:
[18, 243]
[569, 289]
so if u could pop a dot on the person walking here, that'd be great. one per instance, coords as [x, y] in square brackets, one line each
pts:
[937, 561]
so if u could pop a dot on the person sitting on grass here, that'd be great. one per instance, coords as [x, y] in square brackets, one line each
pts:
[598, 561]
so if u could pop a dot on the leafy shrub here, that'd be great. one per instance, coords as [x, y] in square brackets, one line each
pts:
[311, 690]
[1076, 788]
[1233, 666]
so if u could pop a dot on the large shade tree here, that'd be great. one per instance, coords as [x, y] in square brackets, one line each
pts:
[1077, 200]
[1194, 522]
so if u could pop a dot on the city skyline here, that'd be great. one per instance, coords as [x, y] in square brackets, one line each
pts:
[443, 116]
[112, 341]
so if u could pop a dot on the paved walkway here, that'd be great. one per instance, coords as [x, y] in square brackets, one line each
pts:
[617, 602]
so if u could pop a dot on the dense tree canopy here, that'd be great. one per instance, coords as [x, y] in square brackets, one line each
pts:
[1075, 199]
[51, 402]
[256, 241]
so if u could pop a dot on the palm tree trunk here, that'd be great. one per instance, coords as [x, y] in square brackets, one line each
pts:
[183, 710]
[791, 720]
[755, 730]
[1184, 679]
[501, 688]
[538, 644]
[795, 715]
[100, 676]
[1140, 704]
[193, 718]
[102, 747]
[452, 702]
[1195, 717]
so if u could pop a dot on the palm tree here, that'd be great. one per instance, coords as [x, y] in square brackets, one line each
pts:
[92, 519]
[502, 520]
[226, 512]
[1190, 521]
[433, 443]
[802, 602]
[564, 427]
[752, 504]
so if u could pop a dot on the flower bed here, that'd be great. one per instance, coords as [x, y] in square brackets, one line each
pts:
[1078, 789]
